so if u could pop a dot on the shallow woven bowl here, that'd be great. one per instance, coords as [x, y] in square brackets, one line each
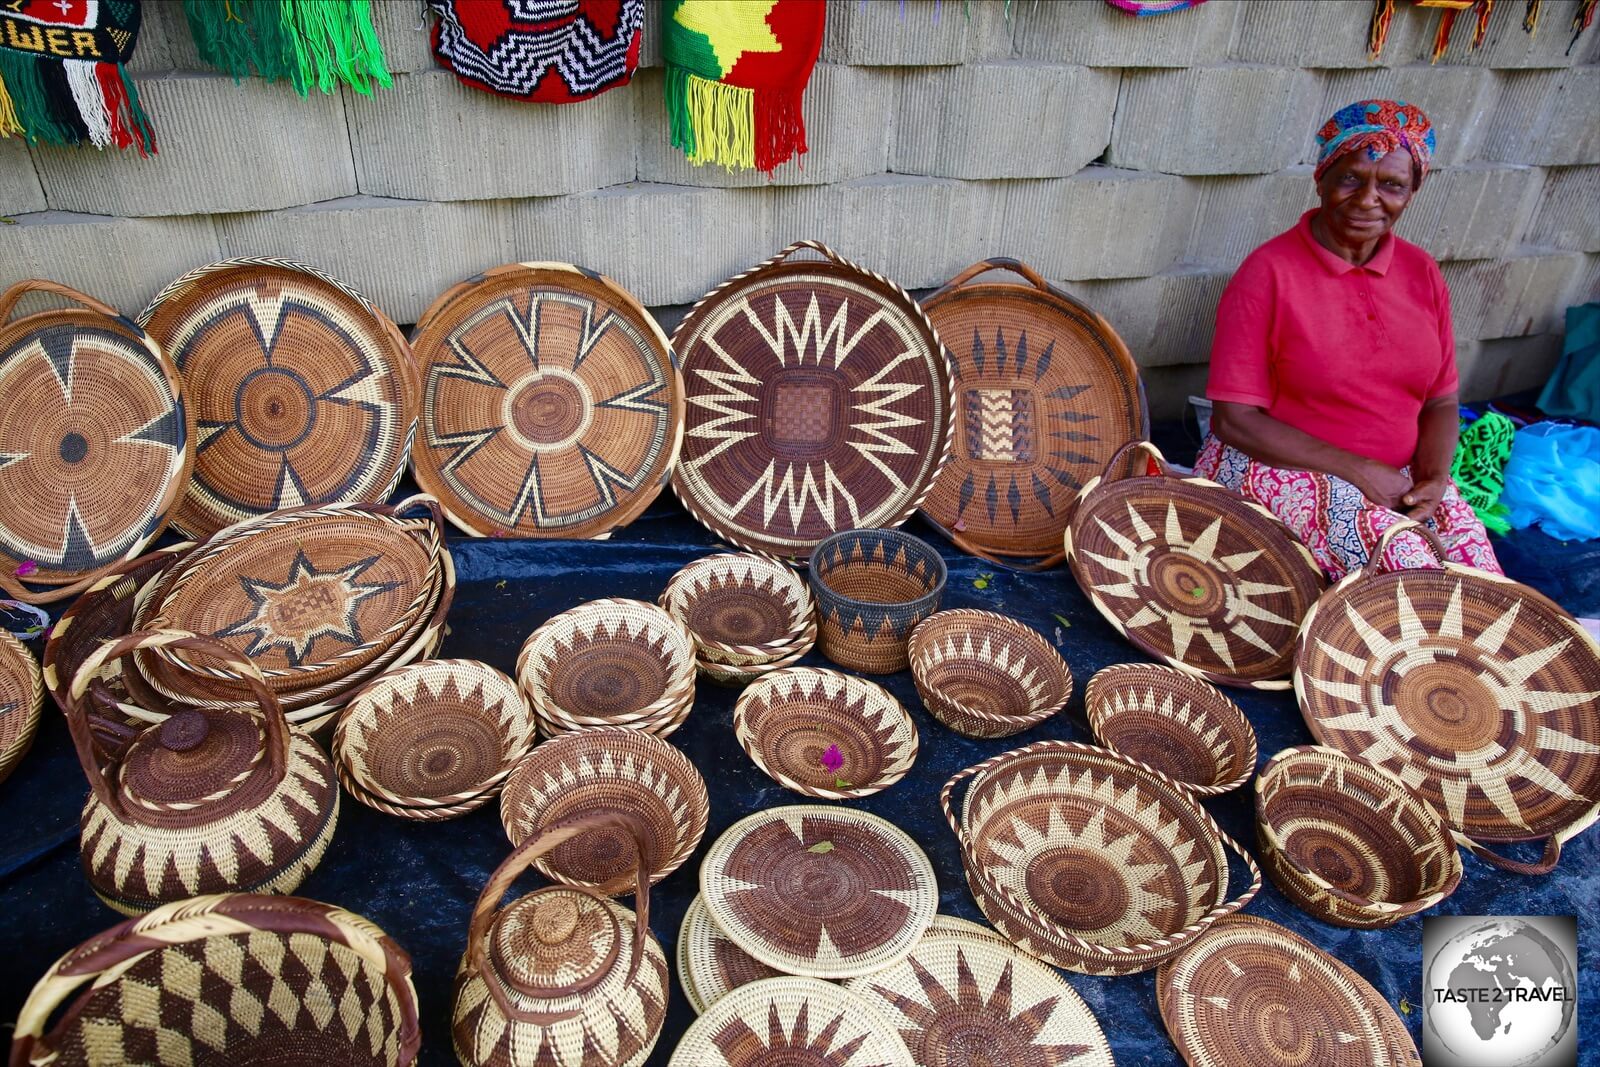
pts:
[743, 674]
[21, 699]
[825, 734]
[791, 1022]
[605, 770]
[1181, 725]
[872, 587]
[740, 607]
[1348, 842]
[986, 675]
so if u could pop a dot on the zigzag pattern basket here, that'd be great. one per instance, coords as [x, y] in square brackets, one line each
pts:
[1181, 725]
[986, 675]
[872, 587]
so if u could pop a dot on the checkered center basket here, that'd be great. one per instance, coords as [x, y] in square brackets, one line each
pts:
[235, 978]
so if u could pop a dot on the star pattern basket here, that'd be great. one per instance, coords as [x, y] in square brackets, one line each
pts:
[742, 609]
[235, 978]
[798, 1022]
[986, 675]
[552, 405]
[819, 399]
[304, 393]
[1349, 843]
[709, 965]
[872, 587]
[1192, 573]
[21, 700]
[1170, 720]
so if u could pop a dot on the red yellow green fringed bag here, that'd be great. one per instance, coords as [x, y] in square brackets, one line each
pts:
[308, 43]
[1383, 15]
[736, 70]
[61, 73]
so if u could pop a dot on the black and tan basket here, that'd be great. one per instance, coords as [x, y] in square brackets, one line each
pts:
[872, 588]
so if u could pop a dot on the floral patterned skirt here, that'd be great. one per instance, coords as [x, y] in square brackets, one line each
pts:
[1337, 523]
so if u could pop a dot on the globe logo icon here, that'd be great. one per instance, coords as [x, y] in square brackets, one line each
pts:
[1500, 992]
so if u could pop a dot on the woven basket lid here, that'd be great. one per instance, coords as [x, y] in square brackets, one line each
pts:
[21, 699]
[827, 892]
[551, 407]
[1194, 574]
[303, 391]
[1252, 992]
[96, 440]
[709, 965]
[819, 400]
[1477, 692]
[797, 1022]
[1046, 393]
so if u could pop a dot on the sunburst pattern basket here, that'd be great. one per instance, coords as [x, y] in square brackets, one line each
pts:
[740, 608]
[1181, 725]
[709, 965]
[21, 699]
[986, 675]
[800, 1022]
[872, 588]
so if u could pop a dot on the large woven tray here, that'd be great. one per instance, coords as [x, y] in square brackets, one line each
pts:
[96, 443]
[303, 391]
[1046, 393]
[552, 406]
[1478, 692]
[819, 400]
[1192, 573]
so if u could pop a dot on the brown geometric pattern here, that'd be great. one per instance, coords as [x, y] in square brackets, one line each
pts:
[796, 1022]
[21, 699]
[740, 607]
[709, 965]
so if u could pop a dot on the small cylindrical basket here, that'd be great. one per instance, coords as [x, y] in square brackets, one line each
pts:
[1181, 725]
[872, 588]
[986, 675]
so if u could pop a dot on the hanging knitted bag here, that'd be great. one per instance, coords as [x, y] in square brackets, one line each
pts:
[548, 51]
[61, 73]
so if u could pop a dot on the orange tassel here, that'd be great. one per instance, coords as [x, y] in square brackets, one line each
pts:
[1530, 17]
[1484, 7]
[1378, 30]
[1441, 39]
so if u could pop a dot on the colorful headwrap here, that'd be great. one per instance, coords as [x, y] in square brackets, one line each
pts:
[1379, 126]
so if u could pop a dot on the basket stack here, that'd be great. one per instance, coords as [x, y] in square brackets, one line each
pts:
[748, 615]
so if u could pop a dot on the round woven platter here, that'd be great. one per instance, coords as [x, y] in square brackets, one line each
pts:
[1477, 692]
[303, 391]
[1046, 392]
[709, 965]
[551, 405]
[96, 441]
[1181, 725]
[820, 891]
[795, 1022]
[1251, 992]
[21, 699]
[819, 399]
[1193, 574]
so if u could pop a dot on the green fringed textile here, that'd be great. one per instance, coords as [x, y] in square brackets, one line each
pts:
[1479, 469]
[308, 43]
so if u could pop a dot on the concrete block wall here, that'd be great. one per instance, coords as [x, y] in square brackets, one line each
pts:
[1135, 162]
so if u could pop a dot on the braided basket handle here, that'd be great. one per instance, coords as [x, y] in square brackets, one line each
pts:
[815, 246]
[13, 296]
[1114, 464]
[1375, 560]
[17, 591]
[984, 266]
[1544, 865]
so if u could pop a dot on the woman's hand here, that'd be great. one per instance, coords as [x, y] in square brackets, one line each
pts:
[1386, 486]
[1423, 499]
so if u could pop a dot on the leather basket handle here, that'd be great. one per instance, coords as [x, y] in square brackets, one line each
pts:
[1375, 560]
[13, 296]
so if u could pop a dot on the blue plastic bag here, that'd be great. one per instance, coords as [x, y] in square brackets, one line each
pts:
[1553, 479]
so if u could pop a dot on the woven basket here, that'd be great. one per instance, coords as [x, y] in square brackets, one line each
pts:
[819, 891]
[825, 734]
[709, 965]
[1475, 691]
[1170, 720]
[872, 587]
[1192, 573]
[1089, 860]
[233, 978]
[560, 976]
[741, 608]
[1046, 392]
[725, 675]
[792, 1021]
[21, 700]
[1251, 992]
[436, 734]
[552, 405]
[1349, 843]
[819, 399]
[986, 675]
[306, 390]
[601, 770]
[98, 443]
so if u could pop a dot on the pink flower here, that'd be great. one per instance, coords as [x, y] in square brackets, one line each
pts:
[833, 759]
[26, 568]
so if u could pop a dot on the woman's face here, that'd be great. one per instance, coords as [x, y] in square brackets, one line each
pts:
[1362, 198]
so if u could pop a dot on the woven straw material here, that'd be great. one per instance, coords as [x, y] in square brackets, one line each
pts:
[819, 399]
[1477, 692]
[97, 441]
[441, 733]
[21, 700]
[740, 608]
[607, 769]
[872, 587]
[1193, 574]
[744, 674]
[819, 891]
[236, 978]
[1179, 724]
[1349, 843]
[709, 965]
[1046, 392]
[1251, 992]
[303, 392]
[963, 998]
[551, 405]
[825, 734]
[1089, 860]
[986, 675]
[797, 1022]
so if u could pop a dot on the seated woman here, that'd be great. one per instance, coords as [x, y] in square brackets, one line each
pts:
[1333, 369]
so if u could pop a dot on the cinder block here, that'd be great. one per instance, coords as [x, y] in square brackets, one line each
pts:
[921, 33]
[1588, 287]
[405, 29]
[1506, 45]
[849, 113]
[1166, 319]
[223, 147]
[432, 138]
[1568, 215]
[164, 43]
[1098, 35]
[1003, 120]
[1080, 226]
[20, 191]
[123, 262]
[1517, 296]
[1213, 120]
[1459, 101]
[1546, 118]
[1234, 214]
[399, 253]
[1167, 389]
[650, 42]
[1329, 34]
[1476, 211]
[1504, 365]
